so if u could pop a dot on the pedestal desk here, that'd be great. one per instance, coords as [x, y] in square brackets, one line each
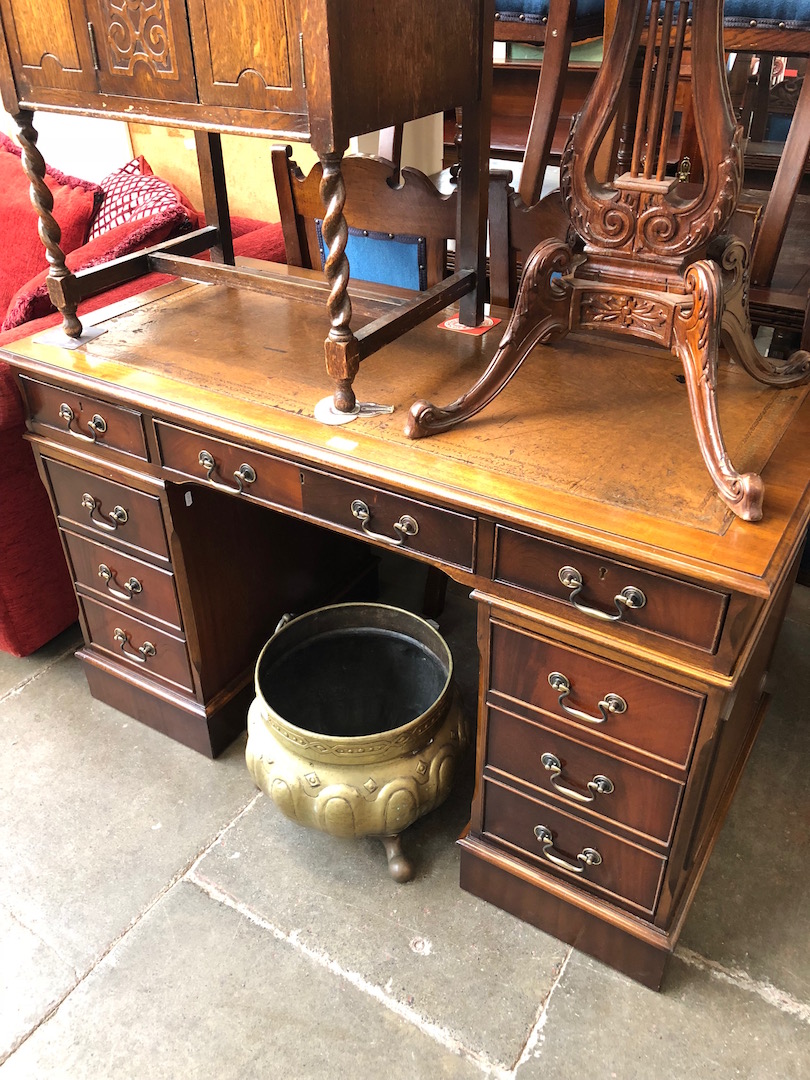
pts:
[625, 616]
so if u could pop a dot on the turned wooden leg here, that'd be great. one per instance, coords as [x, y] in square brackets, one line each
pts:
[736, 326]
[696, 343]
[400, 866]
[59, 277]
[541, 313]
[341, 347]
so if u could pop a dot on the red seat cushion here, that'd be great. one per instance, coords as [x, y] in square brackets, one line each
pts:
[23, 254]
[33, 301]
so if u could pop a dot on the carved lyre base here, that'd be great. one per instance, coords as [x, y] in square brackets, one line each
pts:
[690, 322]
[59, 276]
[658, 263]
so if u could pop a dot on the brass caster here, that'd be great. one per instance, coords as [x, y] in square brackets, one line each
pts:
[400, 867]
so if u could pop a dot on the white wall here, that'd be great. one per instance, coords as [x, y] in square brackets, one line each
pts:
[82, 146]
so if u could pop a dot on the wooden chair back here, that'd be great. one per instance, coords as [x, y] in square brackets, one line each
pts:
[375, 203]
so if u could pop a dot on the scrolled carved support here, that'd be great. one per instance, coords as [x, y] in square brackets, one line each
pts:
[733, 256]
[696, 341]
[342, 352]
[49, 232]
[542, 313]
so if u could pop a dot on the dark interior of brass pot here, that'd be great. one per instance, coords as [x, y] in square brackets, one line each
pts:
[352, 682]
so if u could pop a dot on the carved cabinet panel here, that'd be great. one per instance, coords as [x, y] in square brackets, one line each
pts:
[142, 48]
[251, 59]
[49, 45]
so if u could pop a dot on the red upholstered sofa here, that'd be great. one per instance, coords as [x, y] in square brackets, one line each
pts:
[137, 209]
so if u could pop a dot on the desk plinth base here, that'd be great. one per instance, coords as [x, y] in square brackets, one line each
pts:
[629, 945]
[209, 729]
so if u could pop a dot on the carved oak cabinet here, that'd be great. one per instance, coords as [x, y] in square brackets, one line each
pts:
[311, 69]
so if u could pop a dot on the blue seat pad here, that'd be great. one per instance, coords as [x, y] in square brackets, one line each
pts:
[386, 258]
[769, 14]
[589, 22]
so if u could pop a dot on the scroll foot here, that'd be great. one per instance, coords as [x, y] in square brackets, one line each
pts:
[541, 313]
[697, 340]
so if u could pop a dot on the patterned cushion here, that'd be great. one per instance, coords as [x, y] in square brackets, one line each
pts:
[132, 194]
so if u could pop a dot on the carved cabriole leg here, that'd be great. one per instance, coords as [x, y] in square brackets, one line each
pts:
[49, 231]
[736, 324]
[696, 333]
[341, 347]
[541, 313]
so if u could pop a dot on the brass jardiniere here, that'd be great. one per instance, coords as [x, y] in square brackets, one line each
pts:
[356, 727]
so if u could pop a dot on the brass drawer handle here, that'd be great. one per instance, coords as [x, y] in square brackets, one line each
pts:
[139, 656]
[629, 599]
[600, 785]
[587, 857]
[97, 426]
[124, 592]
[610, 703]
[117, 516]
[243, 475]
[406, 526]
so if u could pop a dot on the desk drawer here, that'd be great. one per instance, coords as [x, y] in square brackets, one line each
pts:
[229, 467]
[652, 716]
[53, 411]
[114, 511]
[626, 872]
[637, 798]
[137, 644]
[124, 581]
[429, 530]
[672, 608]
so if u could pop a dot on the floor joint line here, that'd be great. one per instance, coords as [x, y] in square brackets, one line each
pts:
[136, 920]
[320, 957]
[773, 995]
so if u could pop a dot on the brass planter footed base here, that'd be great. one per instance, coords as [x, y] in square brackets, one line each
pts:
[356, 726]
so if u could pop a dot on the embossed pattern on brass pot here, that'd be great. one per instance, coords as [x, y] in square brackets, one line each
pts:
[356, 727]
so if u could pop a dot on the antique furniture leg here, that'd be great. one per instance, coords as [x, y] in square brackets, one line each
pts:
[541, 314]
[696, 342]
[400, 866]
[341, 347]
[59, 276]
[215, 193]
[736, 324]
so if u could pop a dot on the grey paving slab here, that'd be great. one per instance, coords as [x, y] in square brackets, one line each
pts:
[33, 978]
[752, 910]
[600, 1024]
[799, 606]
[16, 670]
[98, 812]
[197, 990]
[459, 962]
